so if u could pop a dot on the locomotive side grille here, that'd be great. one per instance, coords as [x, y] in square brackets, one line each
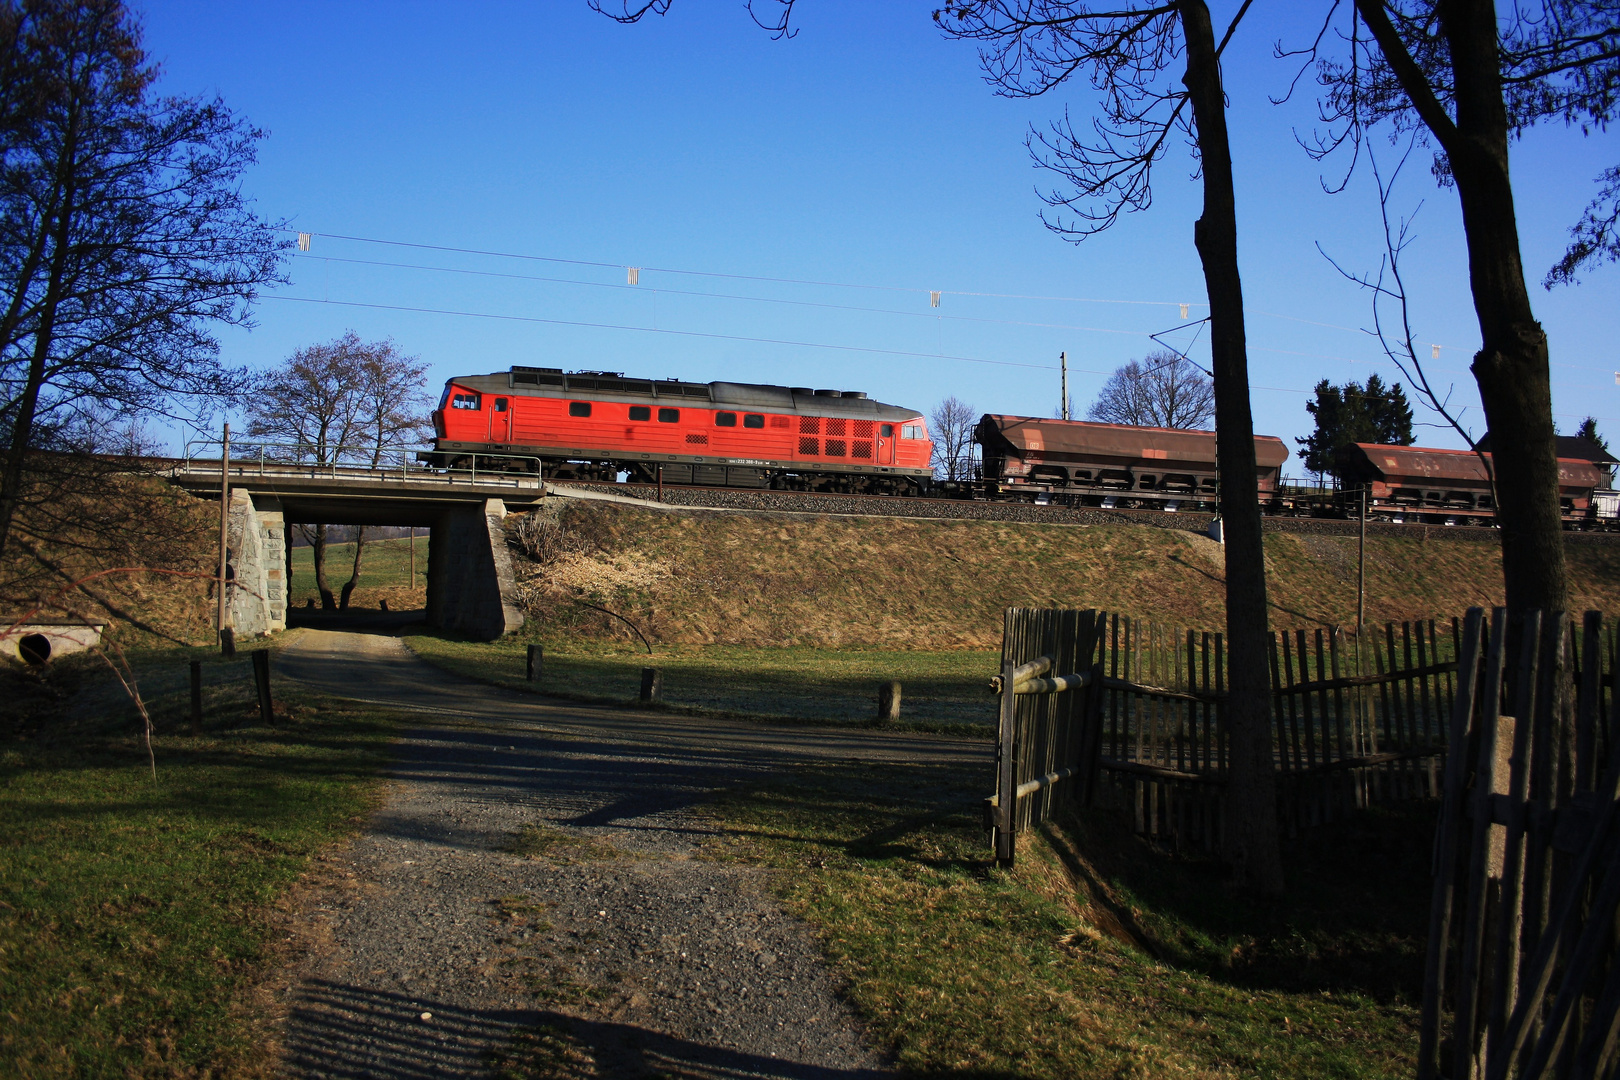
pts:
[810, 425]
[835, 448]
[861, 450]
[781, 422]
[809, 447]
[864, 429]
[837, 425]
[694, 438]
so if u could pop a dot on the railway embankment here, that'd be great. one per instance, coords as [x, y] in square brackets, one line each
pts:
[795, 502]
[814, 577]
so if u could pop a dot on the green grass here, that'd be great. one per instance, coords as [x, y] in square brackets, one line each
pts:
[386, 566]
[136, 915]
[962, 969]
[941, 691]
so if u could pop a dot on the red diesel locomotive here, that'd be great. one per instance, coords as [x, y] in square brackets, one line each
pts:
[596, 425]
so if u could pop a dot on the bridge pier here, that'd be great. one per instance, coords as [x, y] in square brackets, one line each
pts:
[471, 589]
[256, 562]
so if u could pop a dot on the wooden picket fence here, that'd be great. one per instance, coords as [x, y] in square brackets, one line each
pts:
[1522, 979]
[1359, 718]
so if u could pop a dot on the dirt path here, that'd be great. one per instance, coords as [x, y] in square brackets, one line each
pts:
[532, 874]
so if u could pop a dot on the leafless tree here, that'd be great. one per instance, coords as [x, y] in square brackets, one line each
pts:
[1467, 79]
[344, 400]
[1164, 390]
[124, 236]
[1130, 53]
[1155, 69]
[951, 426]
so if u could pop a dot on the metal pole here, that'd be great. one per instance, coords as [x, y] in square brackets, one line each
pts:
[1063, 361]
[224, 527]
[413, 556]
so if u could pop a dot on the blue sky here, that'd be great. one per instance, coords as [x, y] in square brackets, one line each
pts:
[834, 179]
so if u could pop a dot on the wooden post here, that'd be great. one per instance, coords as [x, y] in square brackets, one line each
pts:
[660, 483]
[261, 683]
[652, 686]
[889, 701]
[196, 697]
[413, 558]
[223, 616]
[227, 642]
[1007, 773]
[536, 662]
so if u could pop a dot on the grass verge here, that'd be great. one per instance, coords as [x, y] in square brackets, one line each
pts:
[941, 691]
[136, 916]
[1096, 956]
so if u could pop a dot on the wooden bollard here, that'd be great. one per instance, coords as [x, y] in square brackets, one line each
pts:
[196, 697]
[537, 660]
[889, 701]
[652, 686]
[227, 642]
[261, 683]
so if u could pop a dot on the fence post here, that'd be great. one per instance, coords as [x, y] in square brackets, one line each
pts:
[537, 661]
[227, 642]
[196, 697]
[652, 686]
[889, 701]
[261, 683]
[1006, 773]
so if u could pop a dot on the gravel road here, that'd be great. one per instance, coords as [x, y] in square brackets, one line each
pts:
[531, 887]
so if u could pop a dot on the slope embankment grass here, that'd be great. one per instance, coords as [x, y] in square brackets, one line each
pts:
[140, 916]
[764, 580]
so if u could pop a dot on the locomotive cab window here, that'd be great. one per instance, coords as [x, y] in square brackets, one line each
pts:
[753, 420]
[464, 401]
[725, 419]
[669, 416]
[641, 412]
[912, 431]
[887, 431]
[579, 408]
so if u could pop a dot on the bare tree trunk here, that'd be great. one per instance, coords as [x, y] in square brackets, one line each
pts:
[1511, 366]
[354, 575]
[1251, 828]
[317, 546]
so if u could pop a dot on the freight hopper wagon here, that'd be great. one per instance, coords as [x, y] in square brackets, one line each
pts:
[1452, 487]
[1077, 463]
[598, 425]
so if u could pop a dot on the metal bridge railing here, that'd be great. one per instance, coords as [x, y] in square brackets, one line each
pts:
[363, 463]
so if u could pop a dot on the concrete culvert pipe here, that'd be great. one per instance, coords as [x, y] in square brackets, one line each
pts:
[34, 648]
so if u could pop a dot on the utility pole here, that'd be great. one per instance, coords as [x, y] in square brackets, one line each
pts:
[1063, 362]
[224, 528]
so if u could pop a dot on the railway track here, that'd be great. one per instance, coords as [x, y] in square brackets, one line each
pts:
[795, 502]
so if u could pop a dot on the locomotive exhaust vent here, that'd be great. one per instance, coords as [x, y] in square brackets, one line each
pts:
[809, 447]
[834, 448]
[809, 425]
[865, 429]
[861, 451]
[695, 439]
[837, 425]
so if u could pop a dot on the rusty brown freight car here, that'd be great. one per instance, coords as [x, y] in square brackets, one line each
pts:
[1081, 463]
[1420, 483]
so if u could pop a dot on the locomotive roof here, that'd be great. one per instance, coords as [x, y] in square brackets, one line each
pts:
[612, 386]
[1439, 466]
[1085, 437]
